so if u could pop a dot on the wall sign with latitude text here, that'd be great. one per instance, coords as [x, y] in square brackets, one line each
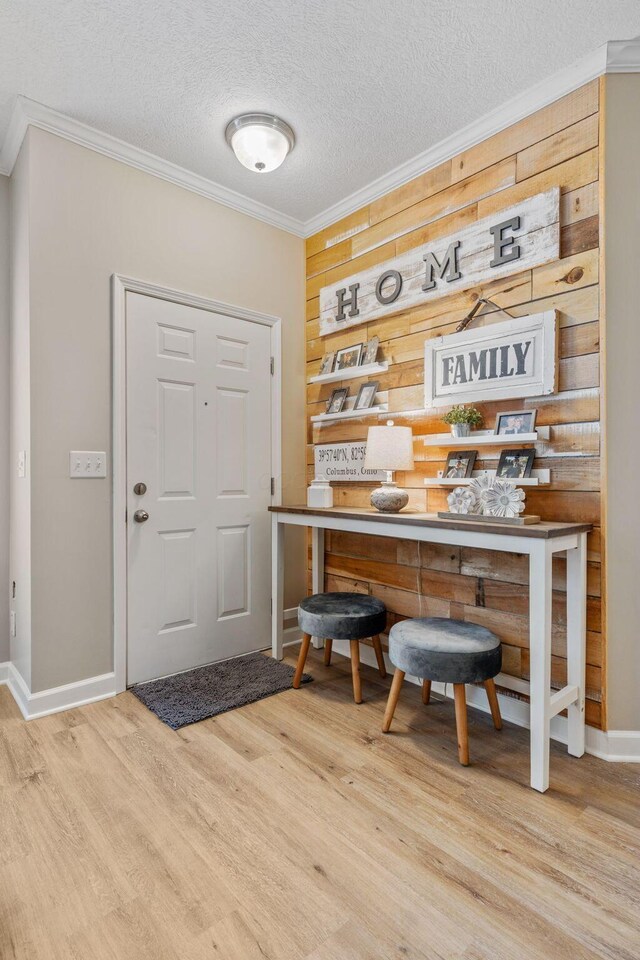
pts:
[344, 462]
[517, 358]
[518, 238]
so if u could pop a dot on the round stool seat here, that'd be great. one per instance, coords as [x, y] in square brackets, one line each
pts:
[447, 651]
[342, 616]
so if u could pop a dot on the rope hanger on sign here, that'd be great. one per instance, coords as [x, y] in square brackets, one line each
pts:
[464, 323]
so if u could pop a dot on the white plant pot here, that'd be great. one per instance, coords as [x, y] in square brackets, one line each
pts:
[460, 430]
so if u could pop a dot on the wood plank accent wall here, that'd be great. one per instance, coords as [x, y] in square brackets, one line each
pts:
[558, 145]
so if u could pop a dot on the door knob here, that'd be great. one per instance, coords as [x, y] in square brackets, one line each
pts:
[140, 516]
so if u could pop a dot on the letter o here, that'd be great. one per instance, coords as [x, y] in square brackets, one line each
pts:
[393, 294]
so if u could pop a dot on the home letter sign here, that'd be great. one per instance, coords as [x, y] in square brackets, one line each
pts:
[512, 240]
[517, 358]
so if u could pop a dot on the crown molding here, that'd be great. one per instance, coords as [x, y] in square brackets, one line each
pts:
[623, 56]
[30, 113]
[617, 56]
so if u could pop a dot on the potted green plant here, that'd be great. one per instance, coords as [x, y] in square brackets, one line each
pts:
[462, 420]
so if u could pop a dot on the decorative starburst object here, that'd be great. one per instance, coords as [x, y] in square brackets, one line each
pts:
[461, 500]
[479, 487]
[503, 499]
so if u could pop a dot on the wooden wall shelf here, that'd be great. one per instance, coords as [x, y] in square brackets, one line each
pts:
[349, 414]
[485, 438]
[537, 478]
[351, 373]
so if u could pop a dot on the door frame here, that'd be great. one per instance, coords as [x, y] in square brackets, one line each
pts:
[120, 286]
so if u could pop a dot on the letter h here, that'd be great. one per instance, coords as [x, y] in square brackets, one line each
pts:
[350, 302]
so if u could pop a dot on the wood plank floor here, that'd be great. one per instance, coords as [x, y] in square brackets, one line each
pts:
[292, 828]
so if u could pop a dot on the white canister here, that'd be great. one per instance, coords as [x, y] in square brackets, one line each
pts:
[319, 493]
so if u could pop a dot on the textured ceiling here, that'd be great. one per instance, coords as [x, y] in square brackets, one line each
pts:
[366, 84]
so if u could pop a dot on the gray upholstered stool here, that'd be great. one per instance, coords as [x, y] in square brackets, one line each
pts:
[342, 616]
[448, 651]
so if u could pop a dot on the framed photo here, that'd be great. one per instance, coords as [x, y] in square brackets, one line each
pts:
[370, 352]
[460, 464]
[336, 402]
[515, 422]
[515, 464]
[366, 396]
[348, 357]
[327, 363]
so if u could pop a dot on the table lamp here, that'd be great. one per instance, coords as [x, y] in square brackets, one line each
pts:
[389, 448]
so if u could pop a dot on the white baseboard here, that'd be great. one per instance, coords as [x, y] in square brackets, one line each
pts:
[615, 746]
[56, 699]
[291, 636]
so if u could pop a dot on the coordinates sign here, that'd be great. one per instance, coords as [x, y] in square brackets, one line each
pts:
[344, 462]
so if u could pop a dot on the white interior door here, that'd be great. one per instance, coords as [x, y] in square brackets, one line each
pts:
[199, 439]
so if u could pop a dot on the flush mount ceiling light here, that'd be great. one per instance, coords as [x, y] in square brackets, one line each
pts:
[260, 141]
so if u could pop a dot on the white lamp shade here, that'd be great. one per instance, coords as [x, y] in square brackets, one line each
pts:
[389, 448]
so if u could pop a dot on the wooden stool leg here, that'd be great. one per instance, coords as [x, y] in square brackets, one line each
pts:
[492, 696]
[426, 691]
[302, 657]
[328, 644]
[377, 646]
[355, 670]
[461, 723]
[394, 693]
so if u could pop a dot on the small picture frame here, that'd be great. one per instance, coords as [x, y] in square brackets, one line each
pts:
[327, 363]
[515, 422]
[348, 357]
[370, 352]
[337, 399]
[459, 464]
[366, 395]
[515, 464]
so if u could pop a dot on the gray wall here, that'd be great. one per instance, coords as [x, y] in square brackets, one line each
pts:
[621, 403]
[91, 217]
[4, 418]
[20, 405]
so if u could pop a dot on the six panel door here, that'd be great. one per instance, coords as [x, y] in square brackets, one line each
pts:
[199, 439]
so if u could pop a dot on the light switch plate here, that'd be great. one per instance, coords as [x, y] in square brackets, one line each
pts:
[87, 464]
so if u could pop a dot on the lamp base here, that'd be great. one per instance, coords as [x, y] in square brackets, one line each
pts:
[388, 498]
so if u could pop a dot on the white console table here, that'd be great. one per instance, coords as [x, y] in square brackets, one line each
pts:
[539, 541]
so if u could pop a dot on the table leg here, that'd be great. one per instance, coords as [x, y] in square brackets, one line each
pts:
[317, 570]
[577, 641]
[277, 587]
[540, 599]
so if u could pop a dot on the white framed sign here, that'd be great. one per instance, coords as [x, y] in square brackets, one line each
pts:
[344, 462]
[520, 237]
[516, 358]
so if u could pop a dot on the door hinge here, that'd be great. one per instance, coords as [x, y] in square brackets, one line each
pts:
[272, 365]
[273, 486]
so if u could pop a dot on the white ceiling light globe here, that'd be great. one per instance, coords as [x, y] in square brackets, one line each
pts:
[260, 141]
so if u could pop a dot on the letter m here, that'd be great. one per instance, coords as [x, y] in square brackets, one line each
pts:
[449, 266]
